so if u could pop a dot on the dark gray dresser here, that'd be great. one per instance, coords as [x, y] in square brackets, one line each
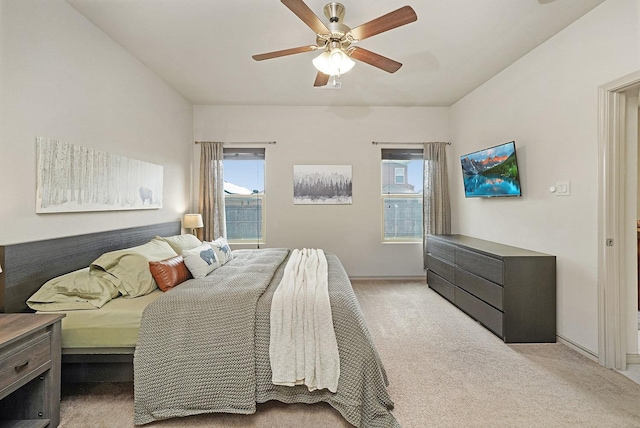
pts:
[509, 290]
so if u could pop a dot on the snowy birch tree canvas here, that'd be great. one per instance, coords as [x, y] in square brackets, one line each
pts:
[72, 178]
[322, 184]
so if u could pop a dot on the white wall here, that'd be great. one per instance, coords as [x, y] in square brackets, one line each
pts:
[62, 78]
[547, 103]
[321, 136]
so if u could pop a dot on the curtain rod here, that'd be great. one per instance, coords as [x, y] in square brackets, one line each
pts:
[241, 142]
[448, 143]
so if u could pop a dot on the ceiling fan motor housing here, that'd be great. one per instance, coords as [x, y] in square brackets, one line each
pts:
[334, 11]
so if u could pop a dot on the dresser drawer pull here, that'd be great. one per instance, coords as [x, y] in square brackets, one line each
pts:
[22, 366]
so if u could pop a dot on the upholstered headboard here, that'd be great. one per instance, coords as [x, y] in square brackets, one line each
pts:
[26, 266]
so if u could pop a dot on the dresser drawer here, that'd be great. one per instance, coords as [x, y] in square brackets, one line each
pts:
[485, 290]
[441, 250]
[440, 286]
[440, 267]
[30, 357]
[484, 266]
[486, 314]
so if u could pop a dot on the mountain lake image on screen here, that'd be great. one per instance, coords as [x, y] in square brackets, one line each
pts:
[491, 172]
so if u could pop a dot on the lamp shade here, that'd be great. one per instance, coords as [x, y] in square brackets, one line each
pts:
[192, 221]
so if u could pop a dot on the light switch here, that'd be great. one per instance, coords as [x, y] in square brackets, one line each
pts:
[563, 188]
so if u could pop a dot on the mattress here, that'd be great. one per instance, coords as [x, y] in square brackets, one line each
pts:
[115, 325]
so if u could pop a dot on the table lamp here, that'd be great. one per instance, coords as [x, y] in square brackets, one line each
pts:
[193, 222]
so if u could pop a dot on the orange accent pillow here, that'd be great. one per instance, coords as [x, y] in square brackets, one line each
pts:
[169, 272]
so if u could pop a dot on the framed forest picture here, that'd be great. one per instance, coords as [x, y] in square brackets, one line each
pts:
[322, 184]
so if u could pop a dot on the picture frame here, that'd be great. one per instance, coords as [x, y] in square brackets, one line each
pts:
[322, 185]
[73, 178]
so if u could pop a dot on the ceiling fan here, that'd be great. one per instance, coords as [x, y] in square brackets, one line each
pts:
[336, 40]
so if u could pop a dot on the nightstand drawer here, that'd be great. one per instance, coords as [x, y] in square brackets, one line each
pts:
[32, 356]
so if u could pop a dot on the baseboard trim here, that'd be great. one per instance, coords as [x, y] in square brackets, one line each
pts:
[389, 278]
[633, 358]
[578, 348]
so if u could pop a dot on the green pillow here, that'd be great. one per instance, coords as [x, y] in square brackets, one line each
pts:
[131, 266]
[181, 242]
[80, 289]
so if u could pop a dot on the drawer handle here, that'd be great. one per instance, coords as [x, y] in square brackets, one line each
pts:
[22, 366]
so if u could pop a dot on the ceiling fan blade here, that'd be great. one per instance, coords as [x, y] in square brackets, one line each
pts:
[285, 52]
[391, 20]
[306, 14]
[321, 79]
[375, 59]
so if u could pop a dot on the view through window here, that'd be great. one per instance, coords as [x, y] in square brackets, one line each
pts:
[402, 178]
[244, 194]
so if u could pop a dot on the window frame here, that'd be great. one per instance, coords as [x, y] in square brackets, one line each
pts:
[248, 154]
[399, 155]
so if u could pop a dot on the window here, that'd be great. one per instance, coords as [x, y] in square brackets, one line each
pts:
[402, 195]
[244, 194]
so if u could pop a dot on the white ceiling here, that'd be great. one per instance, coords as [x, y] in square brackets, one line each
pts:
[203, 48]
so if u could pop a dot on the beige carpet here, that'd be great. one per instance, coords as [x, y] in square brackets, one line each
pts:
[444, 371]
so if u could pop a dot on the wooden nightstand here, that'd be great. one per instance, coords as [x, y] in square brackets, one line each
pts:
[30, 370]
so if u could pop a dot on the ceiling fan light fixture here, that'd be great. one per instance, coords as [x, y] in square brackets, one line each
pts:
[333, 63]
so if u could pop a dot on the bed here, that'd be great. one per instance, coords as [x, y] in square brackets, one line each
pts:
[205, 377]
[27, 266]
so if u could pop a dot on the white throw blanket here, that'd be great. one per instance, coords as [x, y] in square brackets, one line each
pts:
[303, 347]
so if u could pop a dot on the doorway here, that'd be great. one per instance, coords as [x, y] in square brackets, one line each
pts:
[617, 216]
[632, 135]
[632, 130]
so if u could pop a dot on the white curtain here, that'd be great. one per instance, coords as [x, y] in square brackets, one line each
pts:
[211, 200]
[435, 205]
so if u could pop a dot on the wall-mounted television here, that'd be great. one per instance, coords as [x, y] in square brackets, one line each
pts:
[491, 172]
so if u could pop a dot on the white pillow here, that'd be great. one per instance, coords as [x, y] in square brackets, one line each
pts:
[201, 260]
[222, 249]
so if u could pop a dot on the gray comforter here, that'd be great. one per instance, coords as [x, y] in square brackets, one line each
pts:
[203, 347]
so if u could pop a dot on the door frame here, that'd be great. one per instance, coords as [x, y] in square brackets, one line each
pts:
[612, 286]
